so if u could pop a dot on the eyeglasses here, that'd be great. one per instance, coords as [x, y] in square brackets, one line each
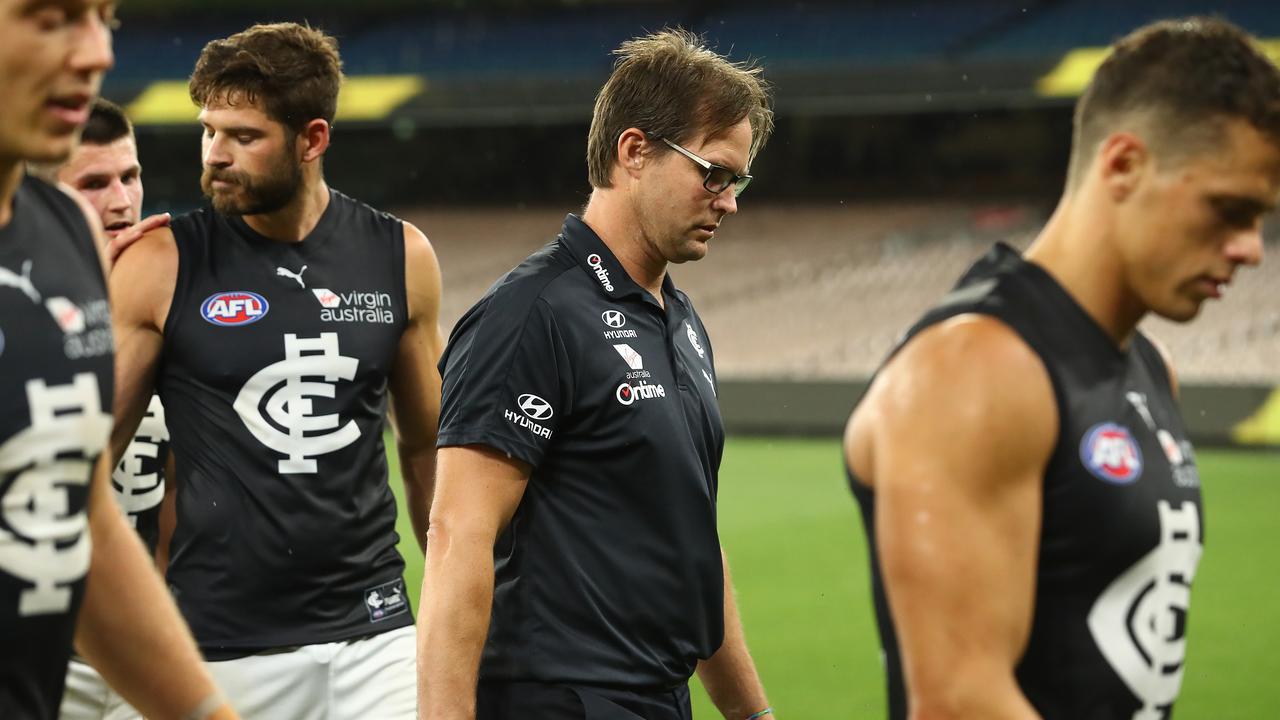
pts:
[719, 178]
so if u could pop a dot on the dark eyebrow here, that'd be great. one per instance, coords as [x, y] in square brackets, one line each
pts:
[1242, 204]
[95, 177]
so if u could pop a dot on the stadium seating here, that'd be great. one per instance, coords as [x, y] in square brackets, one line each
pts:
[824, 291]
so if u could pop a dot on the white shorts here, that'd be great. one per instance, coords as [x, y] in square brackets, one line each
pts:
[371, 678]
[88, 697]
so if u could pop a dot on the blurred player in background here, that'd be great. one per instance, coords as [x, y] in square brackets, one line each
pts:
[280, 318]
[104, 169]
[57, 521]
[1030, 496]
[581, 437]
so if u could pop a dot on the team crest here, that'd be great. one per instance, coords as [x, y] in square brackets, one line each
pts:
[235, 307]
[1110, 453]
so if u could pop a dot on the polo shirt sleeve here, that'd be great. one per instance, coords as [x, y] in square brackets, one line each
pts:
[507, 381]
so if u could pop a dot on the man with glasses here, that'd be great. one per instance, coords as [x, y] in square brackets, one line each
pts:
[573, 566]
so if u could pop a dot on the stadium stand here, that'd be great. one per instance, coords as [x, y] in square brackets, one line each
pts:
[822, 292]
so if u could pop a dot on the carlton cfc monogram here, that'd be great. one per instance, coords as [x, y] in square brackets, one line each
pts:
[276, 407]
[47, 544]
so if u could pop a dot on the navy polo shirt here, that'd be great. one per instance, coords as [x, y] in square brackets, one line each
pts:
[610, 570]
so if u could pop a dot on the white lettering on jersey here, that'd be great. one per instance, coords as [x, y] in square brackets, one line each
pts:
[1139, 621]
[139, 491]
[46, 543]
[286, 393]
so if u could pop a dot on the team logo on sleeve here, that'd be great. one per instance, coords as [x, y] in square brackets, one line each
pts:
[234, 307]
[1110, 453]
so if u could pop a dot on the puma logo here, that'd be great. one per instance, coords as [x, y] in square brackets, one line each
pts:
[9, 278]
[286, 272]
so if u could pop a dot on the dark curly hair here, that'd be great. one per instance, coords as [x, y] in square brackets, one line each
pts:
[293, 71]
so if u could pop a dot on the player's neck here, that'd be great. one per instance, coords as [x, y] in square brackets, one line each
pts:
[611, 218]
[295, 221]
[10, 178]
[1076, 248]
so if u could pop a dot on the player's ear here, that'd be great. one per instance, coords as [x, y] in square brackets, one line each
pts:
[1123, 160]
[631, 151]
[314, 139]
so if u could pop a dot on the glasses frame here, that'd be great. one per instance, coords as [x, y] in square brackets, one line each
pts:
[738, 182]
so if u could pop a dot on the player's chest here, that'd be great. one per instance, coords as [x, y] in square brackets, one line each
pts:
[287, 315]
[644, 370]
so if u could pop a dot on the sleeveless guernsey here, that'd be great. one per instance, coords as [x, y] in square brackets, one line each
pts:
[274, 378]
[1122, 529]
[56, 394]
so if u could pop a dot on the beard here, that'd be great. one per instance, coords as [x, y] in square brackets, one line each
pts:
[249, 195]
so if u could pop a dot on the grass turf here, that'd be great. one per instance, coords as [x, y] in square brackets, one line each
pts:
[799, 563]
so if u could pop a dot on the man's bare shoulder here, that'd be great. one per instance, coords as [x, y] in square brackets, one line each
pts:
[968, 383]
[422, 274]
[155, 250]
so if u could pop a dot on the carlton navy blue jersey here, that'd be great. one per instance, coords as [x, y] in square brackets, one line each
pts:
[55, 395]
[138, 479]
[610, 571]
[274, 378]
[1122, 529]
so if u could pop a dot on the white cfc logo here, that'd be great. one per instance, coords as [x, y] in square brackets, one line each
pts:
[43, 540]
[275, 403]
[1139, 621]
[137, 480]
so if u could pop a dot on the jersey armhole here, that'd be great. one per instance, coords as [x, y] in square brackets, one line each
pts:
[181, 288]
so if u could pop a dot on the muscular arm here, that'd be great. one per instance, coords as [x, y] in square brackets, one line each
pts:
[142, 284]
[954, 436]
[415, 381]
[477, 492]
[729, 675]
[129, 628]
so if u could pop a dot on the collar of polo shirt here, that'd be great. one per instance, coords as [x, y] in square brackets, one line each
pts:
[601, 264]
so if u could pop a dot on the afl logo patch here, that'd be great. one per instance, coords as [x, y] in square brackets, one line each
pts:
[235, 307]
[1110, 453]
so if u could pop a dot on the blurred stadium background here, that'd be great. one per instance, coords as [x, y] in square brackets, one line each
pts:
[911, 135]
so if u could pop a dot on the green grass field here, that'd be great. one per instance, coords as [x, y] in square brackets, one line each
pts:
[795, 545]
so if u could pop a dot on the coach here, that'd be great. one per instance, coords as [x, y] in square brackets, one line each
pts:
[573, 565]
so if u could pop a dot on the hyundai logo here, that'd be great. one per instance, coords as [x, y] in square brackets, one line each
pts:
[613, 318]
[535, 407]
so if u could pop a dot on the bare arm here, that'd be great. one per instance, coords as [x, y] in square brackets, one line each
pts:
[729, 675]
[129, 627]
[142, 285]
[477, 492]
[415, 381]
[954, 436]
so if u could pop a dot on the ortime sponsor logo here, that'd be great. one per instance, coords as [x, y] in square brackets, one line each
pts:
[1109, 452]
[355, 306]
[613, 318]
[595, 262]
[628, 393]
[234, 307]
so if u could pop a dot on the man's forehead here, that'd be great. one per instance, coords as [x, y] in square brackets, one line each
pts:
[239, 111]
[118, 156]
